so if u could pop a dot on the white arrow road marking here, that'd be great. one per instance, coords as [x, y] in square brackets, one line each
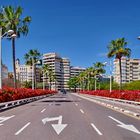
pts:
[3, 118]
[126, 126]
[18, 132]
[43, 110]
[82, 111]
[57, 127]
[96, 129]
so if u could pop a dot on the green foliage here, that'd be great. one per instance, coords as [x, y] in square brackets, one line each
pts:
[27, 84]
[135, 85]
[106, 86]
[32, 55]
[73, 83]
[117, 48]
[11, 18]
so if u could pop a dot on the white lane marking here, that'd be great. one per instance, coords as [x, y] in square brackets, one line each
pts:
[1, 124]
[18, 132]
[96, 129]
[76, 104]
[43, 110]
[57, 127]
[3, 118]
[116, 120]
[129, 127]
[82, 111]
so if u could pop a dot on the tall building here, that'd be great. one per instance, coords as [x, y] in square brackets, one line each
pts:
[74, 71]
[61, 69]
[4, 72]
[24, 72]
[130, 70]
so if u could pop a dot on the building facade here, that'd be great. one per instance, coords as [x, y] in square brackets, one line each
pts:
[24, 72]
[4, 72]
[130, 70]
[61, 70]
[74, 71]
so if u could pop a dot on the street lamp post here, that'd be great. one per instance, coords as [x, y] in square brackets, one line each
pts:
[95, 84]
[32, 74]
[10, 32]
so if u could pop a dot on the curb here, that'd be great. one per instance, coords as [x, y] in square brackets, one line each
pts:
[119, 100]
[11, 104]
[127, 112]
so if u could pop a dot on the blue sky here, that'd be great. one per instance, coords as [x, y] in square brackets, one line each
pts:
[77, 29]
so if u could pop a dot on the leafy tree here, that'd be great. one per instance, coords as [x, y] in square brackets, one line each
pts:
[11, 19]
[27, 84]
[73, 83]
[117, 48]
[31, 59]
[99, 69]
[47, 70]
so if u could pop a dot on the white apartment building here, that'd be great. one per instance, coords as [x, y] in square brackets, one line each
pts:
[74, 71]
[24, 72]
[61, 69]
[130, 70]
[4, 71]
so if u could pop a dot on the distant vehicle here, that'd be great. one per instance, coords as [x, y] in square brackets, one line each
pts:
[63, 91]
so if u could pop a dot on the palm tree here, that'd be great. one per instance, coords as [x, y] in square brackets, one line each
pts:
[73, 83]
[11, 18]
[90, 72]
[81, 78]
[31, 58]
[99, 69]
[118, 49]
[47, 70]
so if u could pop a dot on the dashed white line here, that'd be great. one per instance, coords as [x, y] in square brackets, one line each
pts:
[96, 129]
[43, 110]
[76, 104]
[82, 111]
[18, 132]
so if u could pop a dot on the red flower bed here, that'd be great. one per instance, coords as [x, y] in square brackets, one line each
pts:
[10, 94]
[133, 95]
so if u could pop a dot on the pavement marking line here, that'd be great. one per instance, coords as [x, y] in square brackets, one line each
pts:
[3, 118]
[96, 129]
[129, 127]
[76, 104]
[18, 132]
[43, 110]
[1, 124]
[82, 111]
[59, 127]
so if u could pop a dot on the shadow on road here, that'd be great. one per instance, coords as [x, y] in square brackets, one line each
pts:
[59, 101]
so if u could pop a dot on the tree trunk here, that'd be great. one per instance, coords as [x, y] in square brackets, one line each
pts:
[120, 74]
[14, 66]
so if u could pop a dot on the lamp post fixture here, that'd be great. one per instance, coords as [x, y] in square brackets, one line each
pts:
[9, 32]
[106, 64]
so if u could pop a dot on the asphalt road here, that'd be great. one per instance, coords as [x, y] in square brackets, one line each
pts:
[66, 117]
